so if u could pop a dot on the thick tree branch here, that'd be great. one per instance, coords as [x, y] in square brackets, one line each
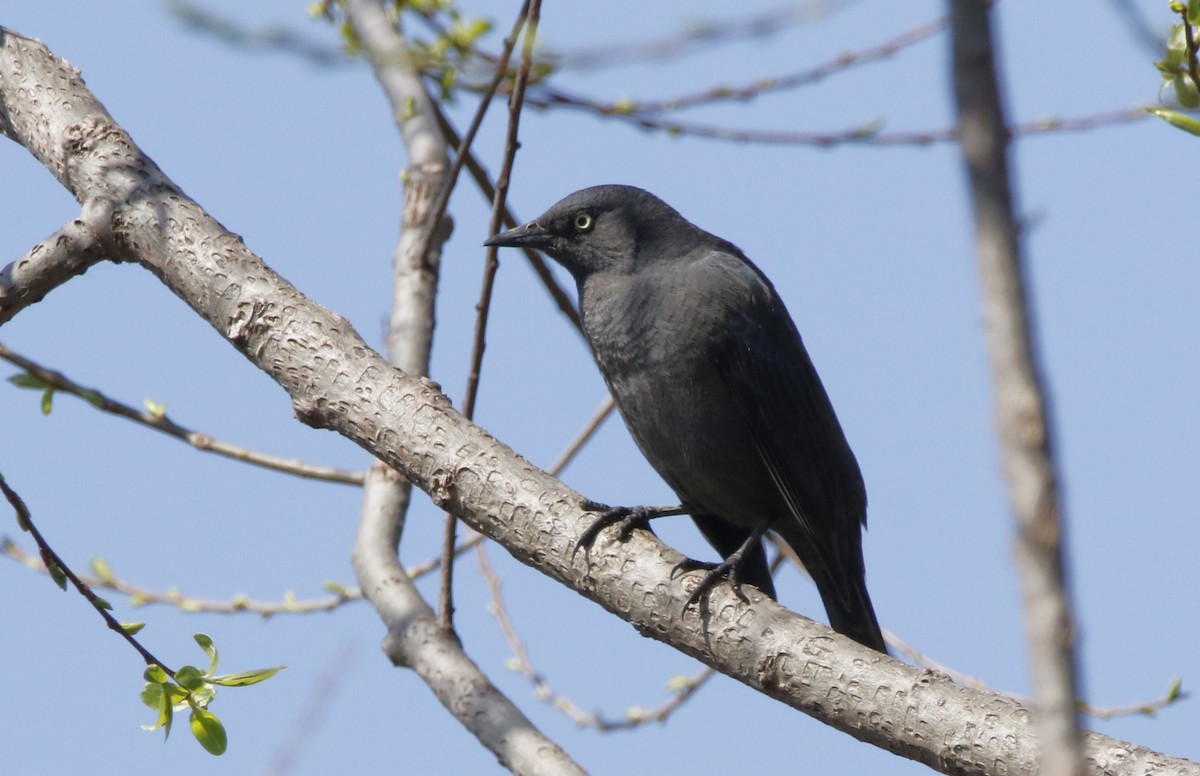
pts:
[1021, 415]
[336, 382]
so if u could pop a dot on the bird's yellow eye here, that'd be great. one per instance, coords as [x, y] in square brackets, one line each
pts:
[584, 221]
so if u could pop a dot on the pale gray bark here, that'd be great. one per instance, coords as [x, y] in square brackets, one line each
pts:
[1022, 422]
[55, 260]
[335, 381]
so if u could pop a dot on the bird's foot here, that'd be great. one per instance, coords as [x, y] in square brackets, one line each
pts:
[625, 518]
[717, 572]
[726, 569]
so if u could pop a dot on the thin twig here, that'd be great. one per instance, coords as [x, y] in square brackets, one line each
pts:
[532, 10]
[868, 134]
[765, 85]
[601, 414]
[697, 34]
[159, 421]
[238, 604]
[51, 560]
[446, 585]
[463, 144]
[562, 298]
[681, 688]
[1146, 708]
[1193, 71]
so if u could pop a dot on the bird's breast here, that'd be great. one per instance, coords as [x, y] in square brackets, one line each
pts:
[655, 353]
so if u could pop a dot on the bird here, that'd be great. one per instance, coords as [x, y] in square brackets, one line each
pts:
[714, 383]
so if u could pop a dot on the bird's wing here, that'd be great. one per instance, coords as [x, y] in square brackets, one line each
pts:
[772, 382]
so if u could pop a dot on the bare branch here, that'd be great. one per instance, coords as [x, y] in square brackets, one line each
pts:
[238, 604]
[766, 84]
[870, 133]
[52, 262]
[160, 422]
[446, 589]
[414, 638]
[1026, 445]
[530, 11]
[601, 414]
[62, 573]
[699, 34]
[335, 381]
[543, 691]
[267, 37]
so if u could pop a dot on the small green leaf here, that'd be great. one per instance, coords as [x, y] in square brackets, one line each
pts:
[246, 678]
[1175, 691]
[1177, 52]
[152, 695]
[28, 381]
[200, 697]
[210, 649]
[190, 678]
[155, 674]
[23, 523]
[47, 400]
[1177, 119]
[132, 628]
[1193, 12]
[337, 588]
[1185, 91]
[209, 731]
[102, 570]
[158, 699]
[56, 574]
[103, 603]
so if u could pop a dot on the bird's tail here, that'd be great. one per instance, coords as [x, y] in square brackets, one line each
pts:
[850, 612]
[841, 579]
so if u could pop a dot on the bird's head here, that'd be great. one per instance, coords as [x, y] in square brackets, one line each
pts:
[602, 229]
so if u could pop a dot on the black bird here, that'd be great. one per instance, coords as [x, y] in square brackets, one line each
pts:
[713, 381]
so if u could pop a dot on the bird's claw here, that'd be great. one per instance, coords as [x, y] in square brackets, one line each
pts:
[717, 572]
[625, 518]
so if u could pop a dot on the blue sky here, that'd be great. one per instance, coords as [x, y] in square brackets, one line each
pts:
[872, 250]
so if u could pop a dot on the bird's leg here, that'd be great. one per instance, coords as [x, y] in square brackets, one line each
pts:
[726, 569]
[625, 518]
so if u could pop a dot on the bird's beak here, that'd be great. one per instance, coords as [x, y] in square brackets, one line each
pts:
[531, 235]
